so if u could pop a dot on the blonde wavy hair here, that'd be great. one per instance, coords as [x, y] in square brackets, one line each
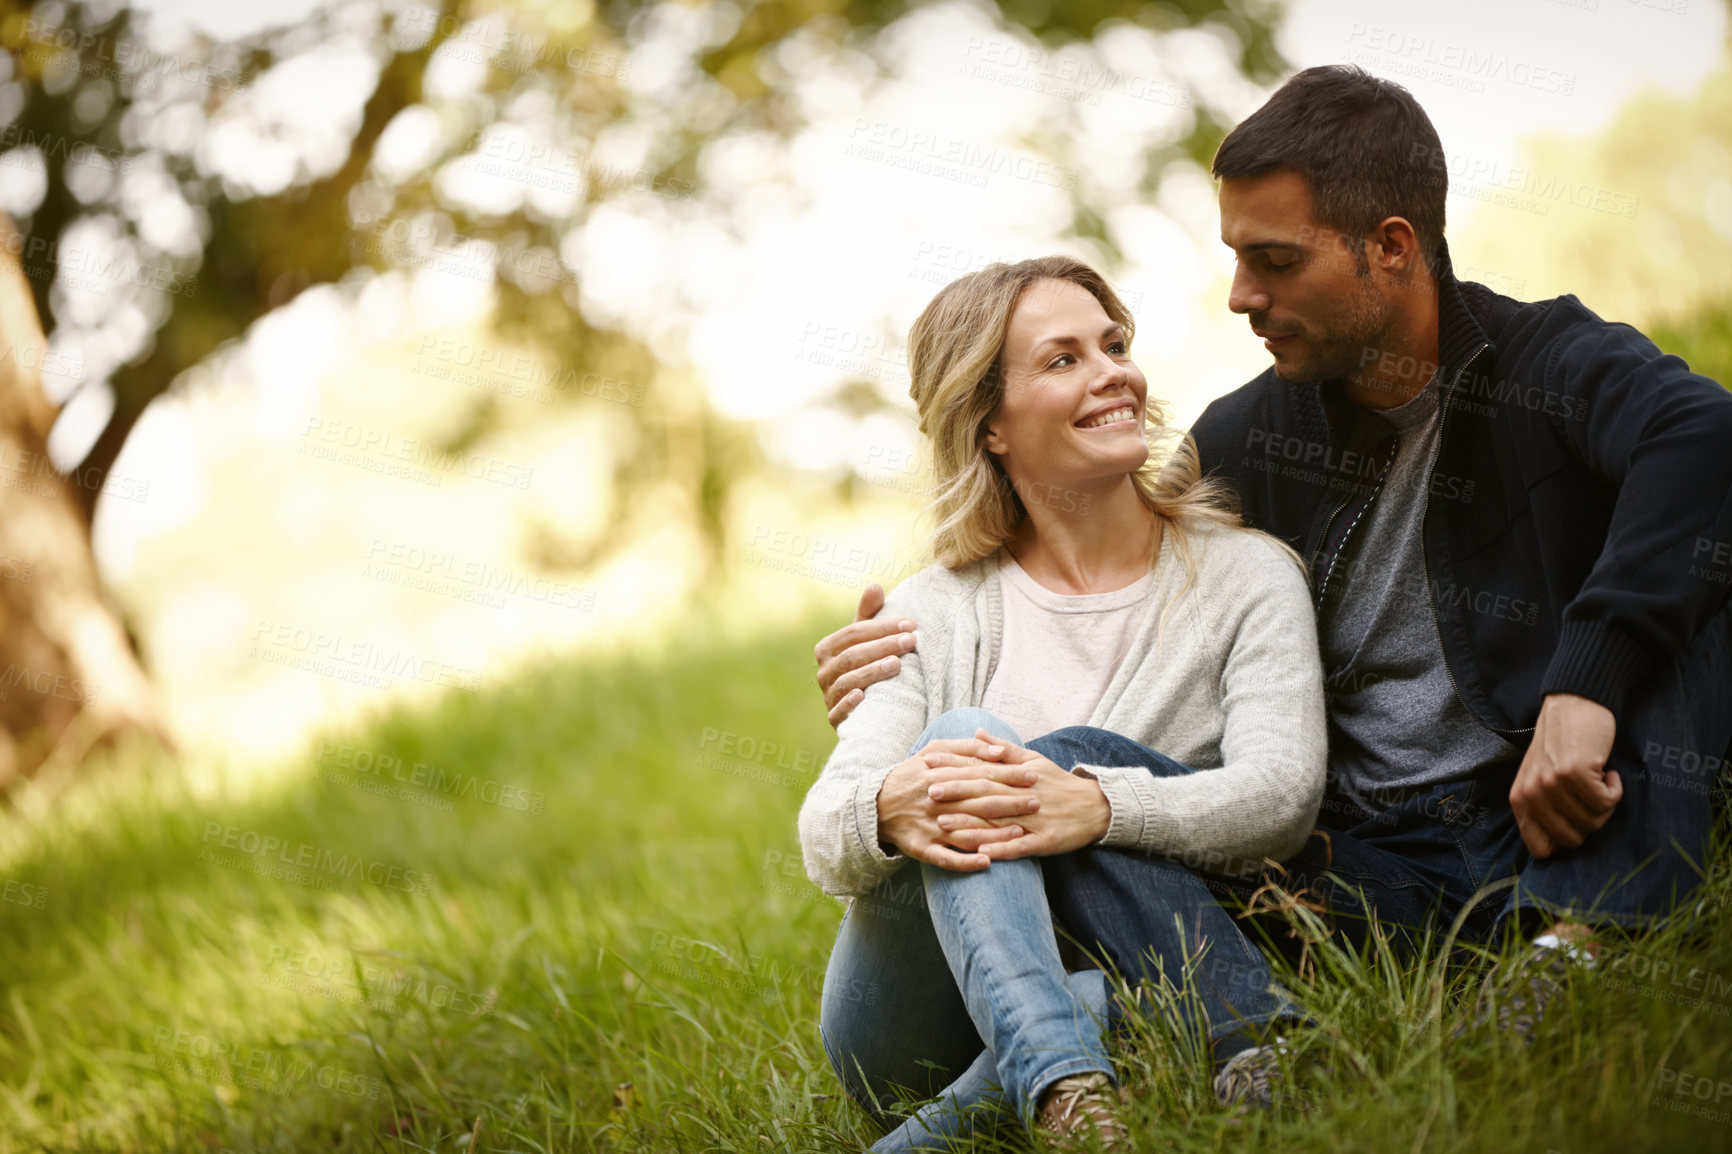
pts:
[953, 358]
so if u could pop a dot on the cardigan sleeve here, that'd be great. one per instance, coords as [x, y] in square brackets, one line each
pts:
[1263, 799]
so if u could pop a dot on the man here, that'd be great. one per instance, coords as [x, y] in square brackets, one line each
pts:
[1511, 514]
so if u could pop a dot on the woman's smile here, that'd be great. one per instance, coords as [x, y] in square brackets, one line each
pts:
[1117, 416]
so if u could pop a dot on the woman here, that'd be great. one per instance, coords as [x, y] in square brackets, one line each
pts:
[1076, 582]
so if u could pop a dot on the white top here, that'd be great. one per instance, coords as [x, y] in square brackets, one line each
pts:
[1233, 685]
[1060, 650]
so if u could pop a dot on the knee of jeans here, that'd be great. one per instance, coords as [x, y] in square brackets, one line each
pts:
[1065, 746]
[960, 723]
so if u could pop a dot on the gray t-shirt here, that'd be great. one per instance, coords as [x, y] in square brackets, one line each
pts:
[1394, 718]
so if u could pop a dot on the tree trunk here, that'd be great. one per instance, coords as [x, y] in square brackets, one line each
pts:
[68, 675]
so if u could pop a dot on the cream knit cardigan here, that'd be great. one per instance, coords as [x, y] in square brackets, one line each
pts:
[1234, 688]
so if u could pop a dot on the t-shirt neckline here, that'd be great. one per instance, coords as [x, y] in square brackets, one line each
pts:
[1112, 599]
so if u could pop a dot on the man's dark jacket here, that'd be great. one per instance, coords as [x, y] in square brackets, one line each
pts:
[1578, 530]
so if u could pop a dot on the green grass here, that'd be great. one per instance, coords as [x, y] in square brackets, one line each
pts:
[636, 966]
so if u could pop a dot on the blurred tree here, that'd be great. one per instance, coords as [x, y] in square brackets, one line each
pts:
[71, 678]
[168, 198]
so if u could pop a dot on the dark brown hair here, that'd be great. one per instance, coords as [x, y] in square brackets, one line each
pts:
[1363, 145]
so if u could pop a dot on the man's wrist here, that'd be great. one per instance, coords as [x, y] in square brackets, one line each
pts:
[1575, 704]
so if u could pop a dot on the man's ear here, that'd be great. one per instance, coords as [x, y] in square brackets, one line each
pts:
[1396, 247]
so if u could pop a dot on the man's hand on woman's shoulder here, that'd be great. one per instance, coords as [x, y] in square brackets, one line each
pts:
[861, 654]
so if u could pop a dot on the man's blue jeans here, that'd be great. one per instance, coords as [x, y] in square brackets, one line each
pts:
[1428, 856]
[957, 972]
[1674, 736]
[1434, 849]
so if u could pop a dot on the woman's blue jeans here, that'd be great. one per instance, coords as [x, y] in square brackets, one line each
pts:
[965, 975]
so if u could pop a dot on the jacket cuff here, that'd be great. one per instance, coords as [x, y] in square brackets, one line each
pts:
[1129, 818]
[866, 818]
[1597, 661]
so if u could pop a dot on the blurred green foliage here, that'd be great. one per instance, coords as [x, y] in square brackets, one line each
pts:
[1704, 340]
[82, 78]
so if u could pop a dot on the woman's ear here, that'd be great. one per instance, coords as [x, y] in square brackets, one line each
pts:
[990, 438]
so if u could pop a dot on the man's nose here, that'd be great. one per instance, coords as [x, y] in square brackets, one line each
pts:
[1246, 295]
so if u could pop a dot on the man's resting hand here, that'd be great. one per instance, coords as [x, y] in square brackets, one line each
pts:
[1563, 791]
[861, 654]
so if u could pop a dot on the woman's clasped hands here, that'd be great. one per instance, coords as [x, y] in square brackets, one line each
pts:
[963, 804]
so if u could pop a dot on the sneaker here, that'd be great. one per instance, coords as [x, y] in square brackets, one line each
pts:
[1250, 1076]
[1516, 996]
[1079, 1104]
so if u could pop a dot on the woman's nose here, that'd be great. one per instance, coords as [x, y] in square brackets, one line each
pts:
[1113, 373]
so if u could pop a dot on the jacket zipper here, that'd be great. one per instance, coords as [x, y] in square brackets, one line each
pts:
[1382, 475]
[1324, 540]
[1425, 549]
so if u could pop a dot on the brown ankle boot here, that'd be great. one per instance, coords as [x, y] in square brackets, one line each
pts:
[1075, 1105]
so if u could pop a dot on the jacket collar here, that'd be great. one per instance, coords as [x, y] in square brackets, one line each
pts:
[1460, 336]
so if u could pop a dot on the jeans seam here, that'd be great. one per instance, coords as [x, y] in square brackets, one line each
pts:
[870, 1106]
[963, 912]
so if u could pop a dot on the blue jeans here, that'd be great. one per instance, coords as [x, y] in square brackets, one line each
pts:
[1432, 850]
[1152, 920]
[958, 972]
[1674, 737]
[1427, 858]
